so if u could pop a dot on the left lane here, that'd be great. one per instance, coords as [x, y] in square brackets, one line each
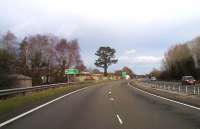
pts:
[76, 111]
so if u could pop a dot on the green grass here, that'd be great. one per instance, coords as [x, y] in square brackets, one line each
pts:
[20, 101]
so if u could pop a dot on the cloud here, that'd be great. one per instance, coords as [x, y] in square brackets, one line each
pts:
[130, 52]
[130, 57]
[140, 59]
[147, 60]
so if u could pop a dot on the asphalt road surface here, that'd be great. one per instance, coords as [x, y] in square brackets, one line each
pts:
[114, 105]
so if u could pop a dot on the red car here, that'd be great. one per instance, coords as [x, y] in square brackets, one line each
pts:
[188, 80]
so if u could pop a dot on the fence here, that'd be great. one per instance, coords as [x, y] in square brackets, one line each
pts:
[174, 86]
[13, 92]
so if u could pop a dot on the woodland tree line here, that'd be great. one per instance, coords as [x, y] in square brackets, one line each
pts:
[181, 60]
[36, 56]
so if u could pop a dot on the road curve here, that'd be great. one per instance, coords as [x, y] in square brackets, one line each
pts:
[114, 105]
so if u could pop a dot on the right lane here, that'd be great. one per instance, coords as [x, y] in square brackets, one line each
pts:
[141, 111]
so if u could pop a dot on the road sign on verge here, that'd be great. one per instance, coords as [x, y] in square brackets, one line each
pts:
[71, 71]
[124, 74]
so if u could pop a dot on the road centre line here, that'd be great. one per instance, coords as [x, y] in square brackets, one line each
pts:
[119, 119]
[111, 99]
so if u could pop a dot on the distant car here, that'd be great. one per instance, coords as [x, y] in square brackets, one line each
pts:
[188, 80]
[153, 79]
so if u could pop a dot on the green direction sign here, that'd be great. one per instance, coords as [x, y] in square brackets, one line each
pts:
[71, 71]
[124, 74]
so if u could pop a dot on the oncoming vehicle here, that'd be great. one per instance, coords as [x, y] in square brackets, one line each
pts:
[188, 80]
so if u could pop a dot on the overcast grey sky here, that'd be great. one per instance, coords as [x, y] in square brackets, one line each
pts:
[140, 30]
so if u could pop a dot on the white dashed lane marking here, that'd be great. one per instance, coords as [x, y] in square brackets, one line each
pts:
[119, 119]
[111, 99]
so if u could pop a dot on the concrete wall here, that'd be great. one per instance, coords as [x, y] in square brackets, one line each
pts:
[23, 83]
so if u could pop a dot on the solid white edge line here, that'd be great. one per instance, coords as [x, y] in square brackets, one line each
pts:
[119, 119]
[37, 108]
[174, 101]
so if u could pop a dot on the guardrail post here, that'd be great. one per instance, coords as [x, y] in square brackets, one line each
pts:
[198, 90]
[179, 88]
[194, 90]
[24, 93]
[167, 86]
[186, 89]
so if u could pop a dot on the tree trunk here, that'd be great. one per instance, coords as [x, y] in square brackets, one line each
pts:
[105, 71]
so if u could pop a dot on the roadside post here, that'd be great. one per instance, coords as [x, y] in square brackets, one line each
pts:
[194, 90]
[69, 72]
[186, 89]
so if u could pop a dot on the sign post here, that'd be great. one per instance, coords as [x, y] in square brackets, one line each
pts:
[71, 72]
